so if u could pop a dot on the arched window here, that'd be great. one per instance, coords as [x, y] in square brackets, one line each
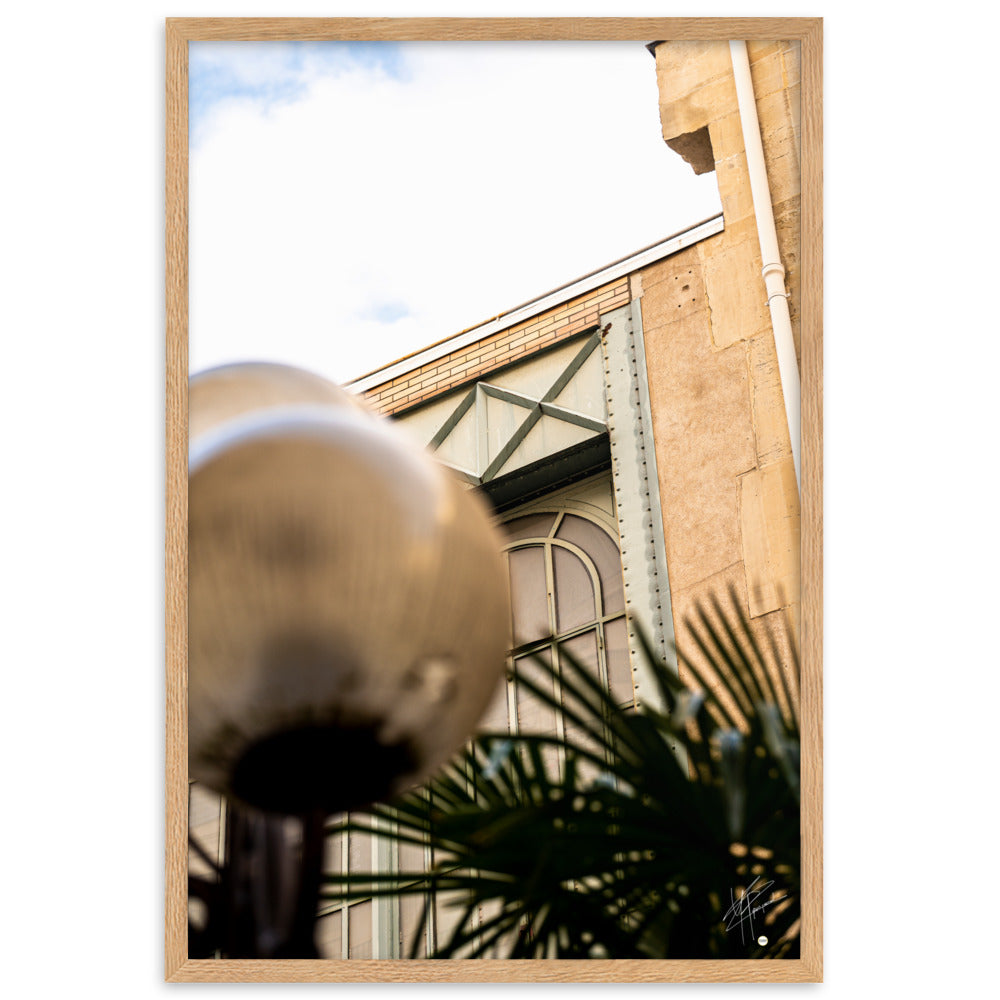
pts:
[567, 595]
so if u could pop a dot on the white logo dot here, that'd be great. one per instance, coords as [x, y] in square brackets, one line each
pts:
[762, 940]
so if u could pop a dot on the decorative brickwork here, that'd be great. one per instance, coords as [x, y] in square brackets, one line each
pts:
[470, 363]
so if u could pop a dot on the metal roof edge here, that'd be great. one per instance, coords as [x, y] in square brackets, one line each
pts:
[625, 265]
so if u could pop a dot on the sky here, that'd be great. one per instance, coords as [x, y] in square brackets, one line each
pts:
[352, 203]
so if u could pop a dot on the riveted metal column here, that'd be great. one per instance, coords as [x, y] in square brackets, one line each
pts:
[637, 495]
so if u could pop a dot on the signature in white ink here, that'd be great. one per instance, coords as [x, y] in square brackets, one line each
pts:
[742, 911]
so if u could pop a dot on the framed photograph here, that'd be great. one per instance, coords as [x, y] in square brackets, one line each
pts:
[494, 500]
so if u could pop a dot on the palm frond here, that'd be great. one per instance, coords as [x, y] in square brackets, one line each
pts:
[646, 858]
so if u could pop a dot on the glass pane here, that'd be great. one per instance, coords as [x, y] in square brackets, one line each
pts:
[619, 668]
[411, 857]
[529, 526]
[359, 930]
[490, 910]
[204, 806]
[359, 849]
[330, 935]
[411, 906]
[503, 945]
[596, 542]
[551, 756]
[204, 813]
[494, 719]
[574, 590]
[333, 854]
[587, 769]
[533, 715]
[583, 648]
[529, 595]
[448, 910]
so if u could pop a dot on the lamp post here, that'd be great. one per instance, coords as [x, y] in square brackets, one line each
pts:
[348, 618]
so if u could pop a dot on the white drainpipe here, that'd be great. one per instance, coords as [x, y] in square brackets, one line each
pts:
[774, 273]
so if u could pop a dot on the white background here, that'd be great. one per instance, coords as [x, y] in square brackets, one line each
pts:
[911, 540]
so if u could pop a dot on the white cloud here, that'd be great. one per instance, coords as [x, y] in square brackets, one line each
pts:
[372, 214]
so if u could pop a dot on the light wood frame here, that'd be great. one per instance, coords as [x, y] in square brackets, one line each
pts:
[179, 31]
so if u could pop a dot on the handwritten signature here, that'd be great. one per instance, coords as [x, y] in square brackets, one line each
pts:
[742, 911]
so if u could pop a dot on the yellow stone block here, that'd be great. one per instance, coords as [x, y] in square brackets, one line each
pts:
[758, 49]
[774, 634]
[703, 435]
[727, 136]
[781, 160]
[781, 147]
[769, 418]
[682, 113]
[773, 71]
[684, 66]
[734, 285]
[787, 222]
[675, 288]
[734, 188]
[685, 603]
[770, 530]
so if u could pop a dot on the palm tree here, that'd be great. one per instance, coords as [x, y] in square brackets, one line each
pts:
[669, 834]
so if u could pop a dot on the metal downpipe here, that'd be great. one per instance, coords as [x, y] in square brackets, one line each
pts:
[772, 271]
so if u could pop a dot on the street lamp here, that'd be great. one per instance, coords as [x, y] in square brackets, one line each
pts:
[348, 607]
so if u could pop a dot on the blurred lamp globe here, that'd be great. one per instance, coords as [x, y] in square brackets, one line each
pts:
[348, 607]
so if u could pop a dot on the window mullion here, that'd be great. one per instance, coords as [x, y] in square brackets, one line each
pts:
[345, 866]
[553, 646]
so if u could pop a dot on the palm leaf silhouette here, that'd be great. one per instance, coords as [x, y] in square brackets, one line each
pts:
[637, 839]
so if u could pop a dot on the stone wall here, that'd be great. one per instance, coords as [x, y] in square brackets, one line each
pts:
[727, 482]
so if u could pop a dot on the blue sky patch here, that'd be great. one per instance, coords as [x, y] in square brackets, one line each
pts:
[274, 73]
[387, 312]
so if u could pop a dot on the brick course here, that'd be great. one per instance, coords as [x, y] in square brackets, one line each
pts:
[477, 359]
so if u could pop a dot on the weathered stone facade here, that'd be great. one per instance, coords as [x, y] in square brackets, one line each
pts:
[727, 485]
